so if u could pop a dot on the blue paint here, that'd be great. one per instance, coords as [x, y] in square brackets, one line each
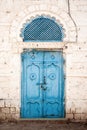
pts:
[42, 29]
[42, 85]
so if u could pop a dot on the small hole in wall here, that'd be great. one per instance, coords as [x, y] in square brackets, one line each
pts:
[66, 47]
[7, 12]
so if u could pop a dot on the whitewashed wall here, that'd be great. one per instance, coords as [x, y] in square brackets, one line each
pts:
[73, 17]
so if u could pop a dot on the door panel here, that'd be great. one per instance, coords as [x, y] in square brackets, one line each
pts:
[31, 92]
[52, 102]
[33, 72]
[42, 85]
[33, 95]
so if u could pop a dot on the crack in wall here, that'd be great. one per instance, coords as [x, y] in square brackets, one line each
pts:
[69, 12]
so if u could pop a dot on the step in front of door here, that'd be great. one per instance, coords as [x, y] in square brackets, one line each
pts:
[46, 121]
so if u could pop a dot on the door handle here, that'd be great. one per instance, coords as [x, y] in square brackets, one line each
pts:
[41, 83]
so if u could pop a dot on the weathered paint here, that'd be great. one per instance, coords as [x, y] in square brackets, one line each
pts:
[42, 85]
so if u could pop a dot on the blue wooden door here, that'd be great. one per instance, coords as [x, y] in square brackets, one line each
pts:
[42, 85]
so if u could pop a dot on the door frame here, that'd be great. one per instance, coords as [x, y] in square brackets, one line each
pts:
[63, 92]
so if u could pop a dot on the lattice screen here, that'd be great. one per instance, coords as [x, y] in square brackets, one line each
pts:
[42, 29]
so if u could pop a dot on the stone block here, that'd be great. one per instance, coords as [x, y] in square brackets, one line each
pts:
[76, 69]
[83, 116]
[4, 92]
[1, 103]
[2, 116]
[69, 116]
[77, 116]
[79, 48]
[5, 110]
[12, 110]
[82, 37]
[77, 57]
[76, 88]
[15, 116]
[76, 106]
[80, 17]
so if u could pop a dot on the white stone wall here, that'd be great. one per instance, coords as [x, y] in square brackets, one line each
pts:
[72, 15]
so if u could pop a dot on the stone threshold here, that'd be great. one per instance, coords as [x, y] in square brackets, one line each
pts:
[45, 120]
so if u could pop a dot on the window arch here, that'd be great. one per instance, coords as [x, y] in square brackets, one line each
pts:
[42, 29]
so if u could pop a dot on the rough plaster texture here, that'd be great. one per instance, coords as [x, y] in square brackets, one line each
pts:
[72, 15]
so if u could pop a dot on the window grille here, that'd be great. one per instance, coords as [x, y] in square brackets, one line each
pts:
[42, 29]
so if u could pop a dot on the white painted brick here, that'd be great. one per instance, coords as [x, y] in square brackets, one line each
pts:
[78, 93]
[7, 103]
[4, 78]
[78, 48]
[77, 57]
[43, 7]
[31, 9]
[82, 37]
[76, 82]
[80, 8]
[5, 45]
[80, 18]
[4, 91]
[79, 2]
[55, 9]
[62, 4]
[1, 103]
[76, 69]
[12, 103]
[14, 93]
[5, 18]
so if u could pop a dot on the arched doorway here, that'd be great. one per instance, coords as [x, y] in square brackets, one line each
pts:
[42, 72]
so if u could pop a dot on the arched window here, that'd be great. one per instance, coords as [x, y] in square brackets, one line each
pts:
[42, 29]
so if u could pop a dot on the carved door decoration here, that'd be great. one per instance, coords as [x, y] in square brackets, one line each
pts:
[42, 85]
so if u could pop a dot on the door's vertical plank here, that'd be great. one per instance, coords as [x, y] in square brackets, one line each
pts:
[23, 88]
[53, 68]
[31, 92]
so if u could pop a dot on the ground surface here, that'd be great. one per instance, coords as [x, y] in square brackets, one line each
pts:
[42, 126]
